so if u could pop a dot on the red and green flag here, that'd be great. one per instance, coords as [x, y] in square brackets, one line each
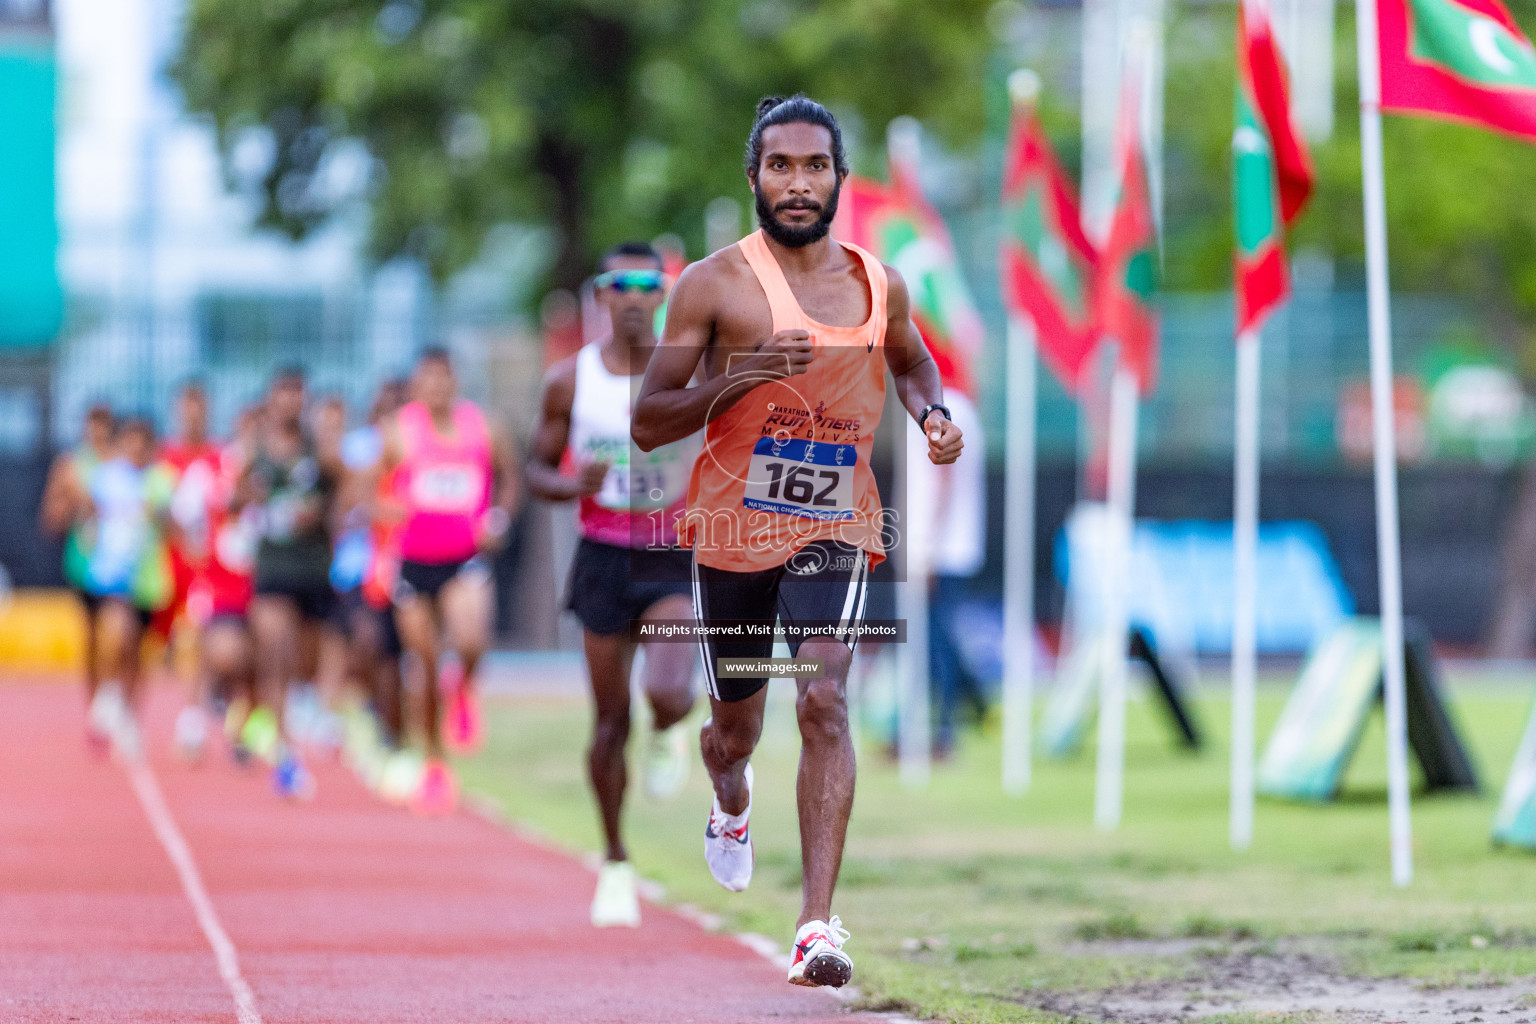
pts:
[1128, 260]
[1271, 171]
[898, 226]
[1463, 60]
[1047, 264]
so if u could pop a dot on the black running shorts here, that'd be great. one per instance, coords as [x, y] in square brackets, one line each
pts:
[313, 597]
[612, 587]
[427, 579]
[354, 614]
[823, 585]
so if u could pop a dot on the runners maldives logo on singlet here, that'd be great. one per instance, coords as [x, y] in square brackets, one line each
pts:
[788, 421]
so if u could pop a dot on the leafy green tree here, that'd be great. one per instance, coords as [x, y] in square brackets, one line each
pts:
[598, 118]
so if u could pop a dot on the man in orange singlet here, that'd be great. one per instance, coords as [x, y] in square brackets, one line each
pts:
[797, 332]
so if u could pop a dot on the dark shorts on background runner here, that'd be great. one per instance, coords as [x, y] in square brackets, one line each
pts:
[823, 585]
[427, 579]
[93, 604]
[315, 598]
[611, 587]
[354, 611]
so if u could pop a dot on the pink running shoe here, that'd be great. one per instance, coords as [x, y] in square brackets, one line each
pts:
[438, 793]
[463, 730]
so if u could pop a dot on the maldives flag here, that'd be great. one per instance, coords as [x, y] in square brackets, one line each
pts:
[897, 225]
[1128, 271]
[1271, 172]
[1046, 261]
[1464, 60]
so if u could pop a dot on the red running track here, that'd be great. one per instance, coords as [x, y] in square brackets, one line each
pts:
[342, 910]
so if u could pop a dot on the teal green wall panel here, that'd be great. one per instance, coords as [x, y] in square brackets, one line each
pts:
[31, 297]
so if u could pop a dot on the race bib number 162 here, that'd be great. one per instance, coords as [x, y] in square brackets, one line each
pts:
[801, 478]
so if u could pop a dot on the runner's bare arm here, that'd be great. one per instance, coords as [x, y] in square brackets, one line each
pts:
[550, 437]
[504, 462]
[668, 408]
[61, 500]
[248, 490]
[361, 489]
[917, 375]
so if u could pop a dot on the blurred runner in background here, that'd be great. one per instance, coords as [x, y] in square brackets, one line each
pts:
[364, 572]
[952, 501]
[192, 461]
[294, 486]
[456, 480]
[66, 509]
[128, 571]
[221, 593]
[627, 565]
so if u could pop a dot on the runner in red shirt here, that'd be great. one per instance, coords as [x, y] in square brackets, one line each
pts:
[221, 593]
[193, 461]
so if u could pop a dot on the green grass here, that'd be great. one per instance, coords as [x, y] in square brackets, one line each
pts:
[960, 899]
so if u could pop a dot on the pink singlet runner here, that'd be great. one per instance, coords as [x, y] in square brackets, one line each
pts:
[444, 482]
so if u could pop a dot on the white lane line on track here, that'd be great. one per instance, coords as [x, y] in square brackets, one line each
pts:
[147, 788]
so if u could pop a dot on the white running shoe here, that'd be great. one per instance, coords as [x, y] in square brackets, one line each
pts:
[616, 903]
[191, 733]
[728, 843]
[818, 957]
[402, 776]
[108, 709]
[666, 762]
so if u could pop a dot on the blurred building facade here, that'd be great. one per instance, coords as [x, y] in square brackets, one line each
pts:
[164, 277]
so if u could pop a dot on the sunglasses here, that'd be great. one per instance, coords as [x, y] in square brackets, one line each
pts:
[631, 280]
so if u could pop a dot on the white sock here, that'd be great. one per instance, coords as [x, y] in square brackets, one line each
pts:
[732, 822]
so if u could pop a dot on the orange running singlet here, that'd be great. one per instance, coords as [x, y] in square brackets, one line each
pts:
[788, 464]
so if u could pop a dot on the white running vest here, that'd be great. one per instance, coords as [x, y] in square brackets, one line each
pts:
[644, 491]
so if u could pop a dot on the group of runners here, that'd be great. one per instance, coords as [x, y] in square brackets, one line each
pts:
[296, 550]
[722, 474]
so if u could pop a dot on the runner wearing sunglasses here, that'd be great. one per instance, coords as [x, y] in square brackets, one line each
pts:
[627, 567]
[622, 282]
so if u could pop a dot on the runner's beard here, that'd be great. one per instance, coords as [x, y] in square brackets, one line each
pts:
[796, 237]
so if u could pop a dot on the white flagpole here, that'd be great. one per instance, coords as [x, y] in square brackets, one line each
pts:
[1109, 782]
[1141, 56]
[914, 738]
[1019, 559]
[1388, 546]
[1019, 516]
[1245, 531]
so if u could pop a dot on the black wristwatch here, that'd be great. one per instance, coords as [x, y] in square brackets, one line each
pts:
[922, 417]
